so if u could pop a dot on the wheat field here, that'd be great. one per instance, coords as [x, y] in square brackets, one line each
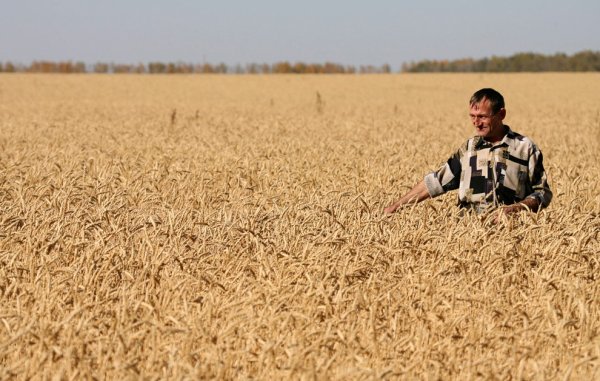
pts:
[230, 227]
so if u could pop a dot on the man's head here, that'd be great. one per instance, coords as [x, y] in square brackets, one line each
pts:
[487, 113]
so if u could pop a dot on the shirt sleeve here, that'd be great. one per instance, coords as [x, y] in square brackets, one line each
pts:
[538, 179]
[447, 176]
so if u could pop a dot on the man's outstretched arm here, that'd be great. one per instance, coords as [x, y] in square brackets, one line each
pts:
[417, 194]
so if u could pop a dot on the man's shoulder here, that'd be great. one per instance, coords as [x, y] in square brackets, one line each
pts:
[520, 141]
[514, 135]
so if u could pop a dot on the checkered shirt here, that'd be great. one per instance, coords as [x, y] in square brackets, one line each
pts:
[488, 175]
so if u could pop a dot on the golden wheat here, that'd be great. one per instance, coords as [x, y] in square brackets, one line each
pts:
[200, 227]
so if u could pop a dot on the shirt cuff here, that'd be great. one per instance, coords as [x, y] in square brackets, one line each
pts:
[541, 199]
[434, 187]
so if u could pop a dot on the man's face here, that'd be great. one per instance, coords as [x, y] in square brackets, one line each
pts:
[487, 124]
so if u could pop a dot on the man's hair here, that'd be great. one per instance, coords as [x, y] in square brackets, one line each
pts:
[496, 99]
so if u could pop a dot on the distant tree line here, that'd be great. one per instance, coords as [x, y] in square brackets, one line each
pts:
[283, 67]
[522, 62]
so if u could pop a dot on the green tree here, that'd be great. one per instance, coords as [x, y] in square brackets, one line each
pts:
[101, 67]
[156, 68]
[282, 68]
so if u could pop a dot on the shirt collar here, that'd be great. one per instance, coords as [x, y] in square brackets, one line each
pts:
[482, 143]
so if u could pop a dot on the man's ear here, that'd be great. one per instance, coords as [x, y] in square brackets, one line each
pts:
[502, 113]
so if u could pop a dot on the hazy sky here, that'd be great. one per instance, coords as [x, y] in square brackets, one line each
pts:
[346, 32]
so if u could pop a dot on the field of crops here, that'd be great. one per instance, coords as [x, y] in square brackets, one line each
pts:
[230, 227]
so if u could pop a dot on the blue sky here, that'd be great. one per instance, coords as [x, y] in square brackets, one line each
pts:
[347, 32]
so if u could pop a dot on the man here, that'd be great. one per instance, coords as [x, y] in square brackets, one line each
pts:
[497, 169]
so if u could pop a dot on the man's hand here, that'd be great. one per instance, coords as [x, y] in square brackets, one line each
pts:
[504, 211]
[390, 209]
[501, 213]
[417, 194]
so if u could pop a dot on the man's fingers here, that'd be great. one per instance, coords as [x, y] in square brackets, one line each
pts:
[389, 210]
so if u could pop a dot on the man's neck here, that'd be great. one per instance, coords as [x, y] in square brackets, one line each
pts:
[497, 138]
